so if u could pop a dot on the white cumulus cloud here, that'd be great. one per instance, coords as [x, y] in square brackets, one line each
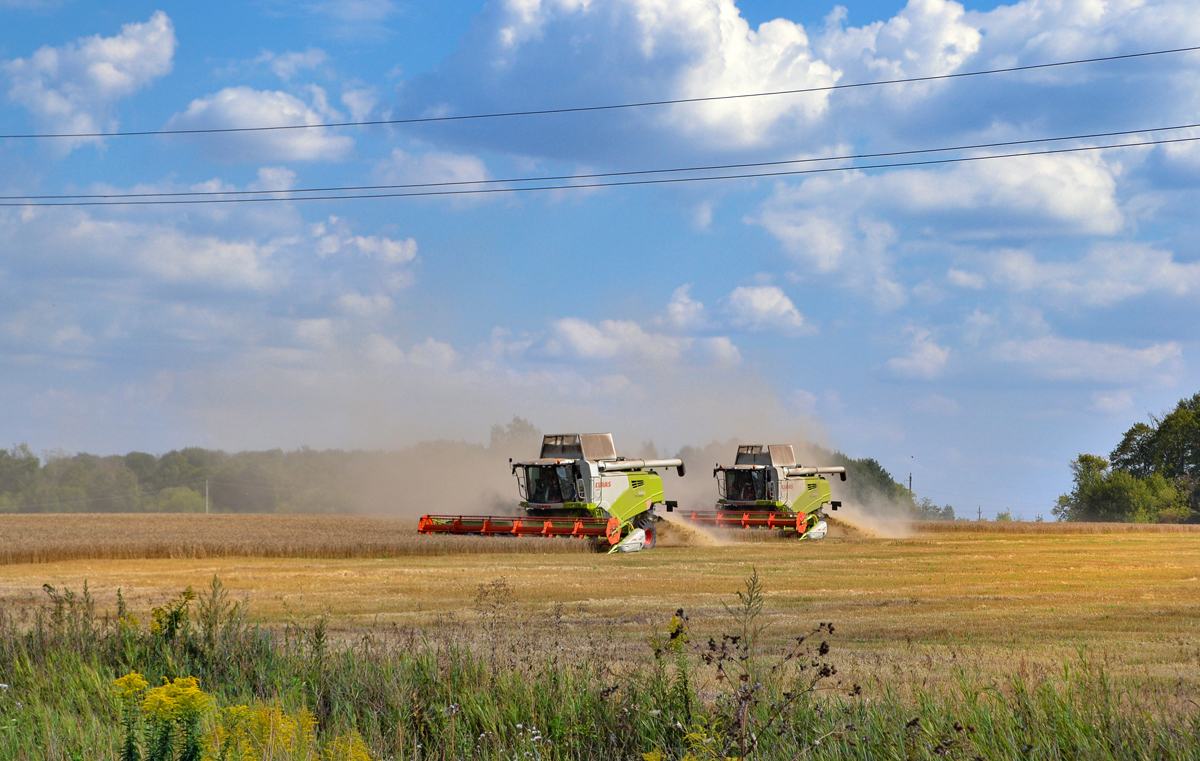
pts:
[72, 88]
[611, 339]
[246, 107]
[926, 38]
[926, 359]
[287, 65]
[632, 50]
[333, 237]
[1064, 359]
[765, 307]
[1108, 274]
[964, 279]
[722, 351]
[158, 252]
[432, 167]
[366, 306]
[683, 312]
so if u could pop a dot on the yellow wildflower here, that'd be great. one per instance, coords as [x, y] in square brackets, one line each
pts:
[175, 700]
[264, 731]
[129, 687]
[348, 748]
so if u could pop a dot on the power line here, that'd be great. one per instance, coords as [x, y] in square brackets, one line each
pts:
[550, 178]
[609, 107]
[582, 186]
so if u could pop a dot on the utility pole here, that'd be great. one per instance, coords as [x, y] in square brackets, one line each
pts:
[206, 496]
[979, 513]
[910, 483]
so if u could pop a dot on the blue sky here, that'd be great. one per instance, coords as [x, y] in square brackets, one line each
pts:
[977, 325]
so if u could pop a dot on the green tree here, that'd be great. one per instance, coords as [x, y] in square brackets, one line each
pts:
[1169, 447]
[177, 499]
[144, 466]
[867, 480]
[20, 470]
[928, 511]
[1133, 455]
[1106, 495]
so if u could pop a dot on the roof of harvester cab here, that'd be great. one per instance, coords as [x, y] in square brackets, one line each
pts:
[579, 446]
[780, 455]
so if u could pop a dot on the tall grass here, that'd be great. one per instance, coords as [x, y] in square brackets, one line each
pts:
[499, 691]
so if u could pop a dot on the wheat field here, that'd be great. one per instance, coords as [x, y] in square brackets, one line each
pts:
[920, 609]
[46, 538]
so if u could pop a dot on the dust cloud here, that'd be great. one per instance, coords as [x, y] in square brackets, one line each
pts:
[677, 531]
[885, 522]
[452, 477]
[455, 477]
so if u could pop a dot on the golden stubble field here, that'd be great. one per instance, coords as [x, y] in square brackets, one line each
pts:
[916, 611]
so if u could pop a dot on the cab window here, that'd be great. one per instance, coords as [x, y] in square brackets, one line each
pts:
[543, 484]
[746, 485]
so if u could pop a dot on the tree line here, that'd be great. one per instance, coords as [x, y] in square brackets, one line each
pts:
[1152, 476]
[437, 476]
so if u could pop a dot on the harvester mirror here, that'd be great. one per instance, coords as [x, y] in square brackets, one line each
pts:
[843, 474]
[681, 470]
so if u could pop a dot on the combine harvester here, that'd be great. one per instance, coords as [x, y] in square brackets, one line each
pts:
[577, 487]
[768, 490]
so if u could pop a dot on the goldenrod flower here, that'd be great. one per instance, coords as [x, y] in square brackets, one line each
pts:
[129, 687]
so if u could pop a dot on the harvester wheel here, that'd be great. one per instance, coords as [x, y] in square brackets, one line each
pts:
[646, 524]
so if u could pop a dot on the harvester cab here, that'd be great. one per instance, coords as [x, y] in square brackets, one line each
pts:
[766, 488]
[576, 487]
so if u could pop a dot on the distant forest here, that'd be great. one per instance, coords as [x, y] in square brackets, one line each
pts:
[438, 476]
[1153, 475]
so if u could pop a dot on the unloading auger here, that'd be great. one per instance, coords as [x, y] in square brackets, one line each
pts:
[577, 487]
[769, 490]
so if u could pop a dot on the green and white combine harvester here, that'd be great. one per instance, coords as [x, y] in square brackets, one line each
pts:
[770, 490]
[578, 487]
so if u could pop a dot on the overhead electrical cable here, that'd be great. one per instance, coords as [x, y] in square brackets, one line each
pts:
[548, 178]
[607, 107]
[598, 175]
[582, 186]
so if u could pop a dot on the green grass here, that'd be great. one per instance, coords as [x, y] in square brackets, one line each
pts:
[498, 686]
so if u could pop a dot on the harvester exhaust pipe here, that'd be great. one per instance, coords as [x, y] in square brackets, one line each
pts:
[607, 466]
[816, 471]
